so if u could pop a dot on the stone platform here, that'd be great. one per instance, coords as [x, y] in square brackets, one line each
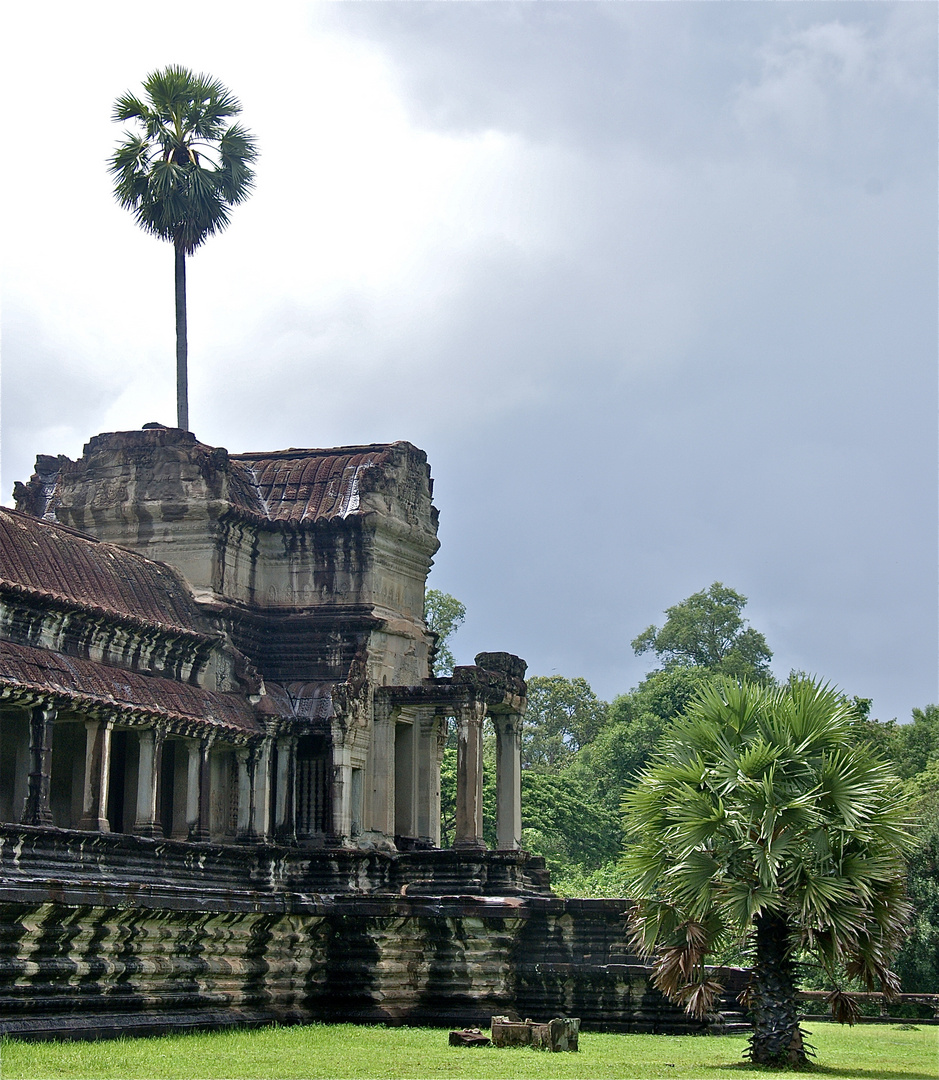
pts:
[113, 934]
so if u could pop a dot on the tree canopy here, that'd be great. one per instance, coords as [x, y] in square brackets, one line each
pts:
[562, 716]
[184, 167]
[763, 822]
[708, 630]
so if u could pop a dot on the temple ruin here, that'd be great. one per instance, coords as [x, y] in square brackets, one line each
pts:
[220, 751]
[247, 657]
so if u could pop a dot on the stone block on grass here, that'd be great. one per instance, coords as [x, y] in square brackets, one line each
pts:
[469, 1037]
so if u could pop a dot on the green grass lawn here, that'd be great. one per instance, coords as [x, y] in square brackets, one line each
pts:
[881, 1052]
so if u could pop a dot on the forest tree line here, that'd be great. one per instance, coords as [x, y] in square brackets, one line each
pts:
[581, 756]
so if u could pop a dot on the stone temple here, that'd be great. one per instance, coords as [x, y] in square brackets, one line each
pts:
[220, 751]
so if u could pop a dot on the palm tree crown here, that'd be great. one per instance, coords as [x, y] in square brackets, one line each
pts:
[180, 173]
[184, 168]
[764, 823]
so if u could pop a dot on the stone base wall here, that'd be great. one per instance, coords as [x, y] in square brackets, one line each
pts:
[105, 946]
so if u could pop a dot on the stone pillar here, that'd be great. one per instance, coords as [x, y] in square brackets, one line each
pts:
[261, 791]
[150, 743]
[432, 736]
[381, 795]
[193, 769]
[469, 776]
[508, 780]
[38, 810]
[243, 830]
[203, 829]
[97, 767]
[342, 793]
[285, 811]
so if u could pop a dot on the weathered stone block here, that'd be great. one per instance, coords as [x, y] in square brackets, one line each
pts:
[506, 1032]
[470, 1037]
[557, 1035]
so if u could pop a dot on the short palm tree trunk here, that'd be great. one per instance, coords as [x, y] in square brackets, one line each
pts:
[777, 1038]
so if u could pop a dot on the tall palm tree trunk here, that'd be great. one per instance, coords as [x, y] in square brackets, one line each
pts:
[777, 1038]
[182, 343]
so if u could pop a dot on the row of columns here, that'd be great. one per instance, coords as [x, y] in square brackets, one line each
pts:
[257, 818]
[411, 807]
[404, 780]
[469, 778]
[419, 743]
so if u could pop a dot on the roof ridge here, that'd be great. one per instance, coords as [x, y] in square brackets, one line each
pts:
[330, 451]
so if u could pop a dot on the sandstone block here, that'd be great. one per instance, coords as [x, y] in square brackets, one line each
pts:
[469, 1037]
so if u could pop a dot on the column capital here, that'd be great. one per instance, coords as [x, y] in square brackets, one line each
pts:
[472, 711]
[507, 723]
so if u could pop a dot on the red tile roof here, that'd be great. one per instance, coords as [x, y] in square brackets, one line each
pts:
[85, 683]
[304, 485]
[60, 564]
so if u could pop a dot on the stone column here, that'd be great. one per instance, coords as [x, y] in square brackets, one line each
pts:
[97, 767]
[193, 770]
[508, 780]
[285, 811]
[203, 829]
[21, 772]
[243, 831]
[469, 776]
[380, 816]
[38, 811]
[432, 737]
[150, 743]
[342, 793]
[261, 792]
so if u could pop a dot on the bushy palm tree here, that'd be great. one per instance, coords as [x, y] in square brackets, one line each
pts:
[181, 172]
[763, 824]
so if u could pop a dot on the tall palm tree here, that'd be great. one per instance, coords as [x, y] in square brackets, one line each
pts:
[762, 823]
[180, 173]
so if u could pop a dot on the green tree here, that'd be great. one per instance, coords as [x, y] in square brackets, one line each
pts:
[636, 723]
[916, 745]
[708, 630]
[918, 961]
[180, 173]
[563, 821]
[762, 823]
[562, 716]
[443, 615]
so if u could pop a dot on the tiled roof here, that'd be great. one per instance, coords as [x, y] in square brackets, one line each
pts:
[304, 485]
[58, 563]
[86, 683]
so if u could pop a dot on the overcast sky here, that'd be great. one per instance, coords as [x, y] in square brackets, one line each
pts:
[653, 284]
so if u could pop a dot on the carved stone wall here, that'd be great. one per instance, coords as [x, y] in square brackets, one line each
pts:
[112, 934]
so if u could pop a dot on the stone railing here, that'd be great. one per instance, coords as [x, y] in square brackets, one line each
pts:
[931, 1001]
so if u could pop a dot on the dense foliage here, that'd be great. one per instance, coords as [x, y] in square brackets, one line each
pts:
[185, 165]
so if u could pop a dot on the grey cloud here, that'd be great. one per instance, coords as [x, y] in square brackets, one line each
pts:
[697, 342]
[681, 79]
